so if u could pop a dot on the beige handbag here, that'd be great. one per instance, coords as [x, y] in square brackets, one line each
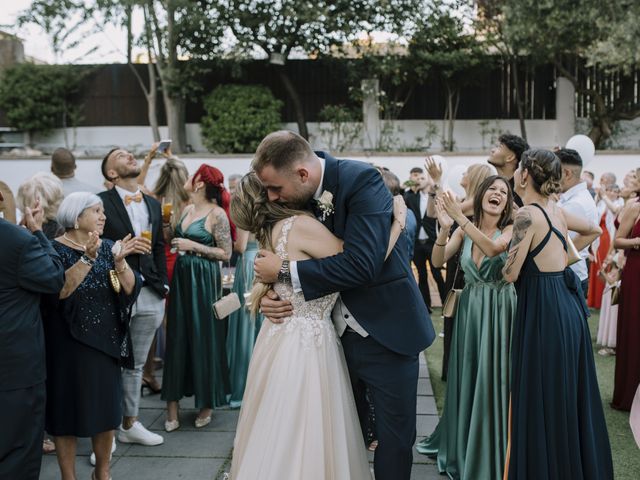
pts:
[226, 306]
[451, 302]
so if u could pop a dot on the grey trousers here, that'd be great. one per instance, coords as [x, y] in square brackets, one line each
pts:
[147, 315]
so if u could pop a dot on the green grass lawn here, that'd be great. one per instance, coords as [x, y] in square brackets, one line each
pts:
[626, 455]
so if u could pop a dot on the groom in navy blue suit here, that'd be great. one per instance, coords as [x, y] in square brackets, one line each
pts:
[380, 315]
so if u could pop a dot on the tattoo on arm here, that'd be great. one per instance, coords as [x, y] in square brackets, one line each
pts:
[520, 226]
[222, 234]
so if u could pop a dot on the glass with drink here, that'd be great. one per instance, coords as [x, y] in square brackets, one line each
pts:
[167, 211]
[146, 233]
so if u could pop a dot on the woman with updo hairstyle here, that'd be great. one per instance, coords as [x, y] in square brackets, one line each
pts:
[46, 189]
[558, 428]
[195, 357]
[87, 334]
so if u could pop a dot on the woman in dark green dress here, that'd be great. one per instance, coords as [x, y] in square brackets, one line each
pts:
[558, 430]
[243, 327]
[196, 358]
[470, 441]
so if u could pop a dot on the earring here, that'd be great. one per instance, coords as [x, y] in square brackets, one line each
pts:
[195, 190]
[76, 226]
[523, 185]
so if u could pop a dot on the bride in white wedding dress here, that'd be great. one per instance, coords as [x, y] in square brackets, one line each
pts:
[298, 419]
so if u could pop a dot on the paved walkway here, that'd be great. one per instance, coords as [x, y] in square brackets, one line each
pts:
[203, 454]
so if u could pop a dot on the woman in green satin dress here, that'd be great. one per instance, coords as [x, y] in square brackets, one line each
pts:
[196, 358]
[243, 327]
[470, 440]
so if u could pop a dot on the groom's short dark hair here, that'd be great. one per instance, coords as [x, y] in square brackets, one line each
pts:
[281, 150]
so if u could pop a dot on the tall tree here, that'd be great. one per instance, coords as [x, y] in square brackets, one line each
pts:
[278, 29]
[446, 48]
[585, 40]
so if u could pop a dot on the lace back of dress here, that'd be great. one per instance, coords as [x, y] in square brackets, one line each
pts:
[283, 238]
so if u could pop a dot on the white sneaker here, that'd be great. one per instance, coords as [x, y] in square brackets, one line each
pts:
[92, 458]
[138, 434]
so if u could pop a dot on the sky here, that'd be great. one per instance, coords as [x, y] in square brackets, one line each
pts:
[107, 46]
[110, 43]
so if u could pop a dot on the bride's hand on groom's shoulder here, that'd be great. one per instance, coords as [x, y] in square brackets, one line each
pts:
[274, 309]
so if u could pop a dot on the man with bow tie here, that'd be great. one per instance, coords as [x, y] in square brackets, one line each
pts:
[129, 211]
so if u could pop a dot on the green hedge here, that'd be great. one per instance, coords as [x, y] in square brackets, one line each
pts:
[238, 117]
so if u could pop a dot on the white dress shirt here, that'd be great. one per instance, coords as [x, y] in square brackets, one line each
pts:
[424, 198]
[137, 211]
[341, 316]
[578, 201]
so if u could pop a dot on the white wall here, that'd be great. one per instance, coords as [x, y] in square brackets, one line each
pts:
[16, 171]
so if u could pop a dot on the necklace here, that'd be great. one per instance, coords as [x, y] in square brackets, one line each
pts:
[79, 245]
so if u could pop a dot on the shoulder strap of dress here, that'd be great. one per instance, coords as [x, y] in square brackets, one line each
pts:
[283, 238]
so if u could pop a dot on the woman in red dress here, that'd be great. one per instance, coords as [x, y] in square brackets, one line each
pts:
[627, 375]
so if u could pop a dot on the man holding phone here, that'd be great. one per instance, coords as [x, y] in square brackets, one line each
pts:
[129, 211]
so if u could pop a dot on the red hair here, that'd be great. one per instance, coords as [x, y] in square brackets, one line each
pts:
[213, 177]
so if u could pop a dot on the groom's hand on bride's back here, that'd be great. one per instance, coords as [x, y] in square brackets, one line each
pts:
[274, 309]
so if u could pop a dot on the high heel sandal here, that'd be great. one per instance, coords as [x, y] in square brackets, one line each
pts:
[171, 425]
[202, 421]
[151, 385]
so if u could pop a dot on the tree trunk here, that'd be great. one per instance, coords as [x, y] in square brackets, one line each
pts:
[175, 111]
[152, 100]
[519, 102]
[128, 10]
[450, 114]
[295, 99]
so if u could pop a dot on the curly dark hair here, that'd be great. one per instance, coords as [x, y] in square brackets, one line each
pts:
[516, 144]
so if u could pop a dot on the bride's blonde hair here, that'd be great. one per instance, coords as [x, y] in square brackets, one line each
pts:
[252, 211]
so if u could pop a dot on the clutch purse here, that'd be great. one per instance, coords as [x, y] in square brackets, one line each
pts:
[572, 252]
[615, 295]
[451, 303]
[115, 281]
[226, 306]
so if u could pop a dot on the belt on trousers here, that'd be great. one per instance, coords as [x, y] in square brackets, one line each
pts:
[422, 241]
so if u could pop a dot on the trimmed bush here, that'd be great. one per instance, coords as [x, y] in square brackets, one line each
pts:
[238, 117]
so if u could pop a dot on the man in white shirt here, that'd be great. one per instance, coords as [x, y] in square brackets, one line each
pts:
[63, 166]
[577, 200]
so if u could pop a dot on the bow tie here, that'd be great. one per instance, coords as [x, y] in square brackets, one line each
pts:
[132, 198]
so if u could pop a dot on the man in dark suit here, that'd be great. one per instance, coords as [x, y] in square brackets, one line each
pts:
[29, 267]
[424, 238]
[129, 211]
[380, 316]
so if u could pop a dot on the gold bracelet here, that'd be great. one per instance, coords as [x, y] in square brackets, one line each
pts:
[124, 269]
[440, 244]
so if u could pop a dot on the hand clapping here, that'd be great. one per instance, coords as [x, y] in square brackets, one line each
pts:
[127, 247]
[92, 245]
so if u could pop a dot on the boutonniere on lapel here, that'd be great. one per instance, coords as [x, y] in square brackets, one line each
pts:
[325, 204]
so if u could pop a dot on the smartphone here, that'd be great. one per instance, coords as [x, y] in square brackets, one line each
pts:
[163, 146]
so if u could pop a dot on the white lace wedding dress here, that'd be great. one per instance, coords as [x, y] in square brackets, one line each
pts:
[298, 419]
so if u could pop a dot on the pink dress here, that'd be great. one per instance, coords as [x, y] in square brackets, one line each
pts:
[608, 325]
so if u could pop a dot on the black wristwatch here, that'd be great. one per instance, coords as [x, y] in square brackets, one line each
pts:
[284, 275]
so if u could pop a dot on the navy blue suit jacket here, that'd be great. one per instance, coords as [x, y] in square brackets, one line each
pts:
[29, 267]
[382, 295]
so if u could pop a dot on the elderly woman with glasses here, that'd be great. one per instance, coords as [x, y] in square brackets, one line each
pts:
[86, 334]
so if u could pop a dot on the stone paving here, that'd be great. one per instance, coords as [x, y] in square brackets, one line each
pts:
[204, 454]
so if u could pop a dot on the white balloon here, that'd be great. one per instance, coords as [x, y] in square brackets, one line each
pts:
[584, 146]
[455, 176]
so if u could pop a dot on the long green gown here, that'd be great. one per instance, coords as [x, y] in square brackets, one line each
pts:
[243, 329]
[470, 441]
[196, 357]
